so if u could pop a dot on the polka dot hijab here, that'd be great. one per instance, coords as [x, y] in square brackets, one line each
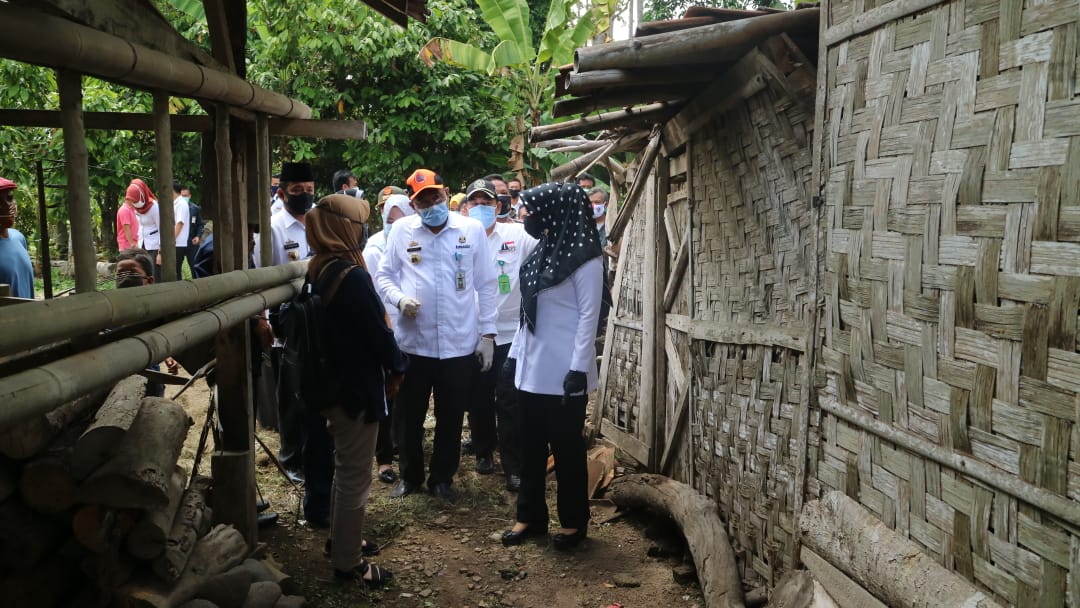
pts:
[561, 217]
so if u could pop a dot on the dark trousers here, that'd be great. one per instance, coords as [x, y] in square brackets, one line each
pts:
[547, 421]
[181, 255]
[450, 380]
[318, 451]
[509, 416]
[482, 421]
[157, 268]
[384, 441]
[290, 419]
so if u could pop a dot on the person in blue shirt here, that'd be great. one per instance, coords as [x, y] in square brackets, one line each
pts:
[15, 267]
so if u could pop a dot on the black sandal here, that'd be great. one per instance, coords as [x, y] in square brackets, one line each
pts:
[366, 549]
[379, 576]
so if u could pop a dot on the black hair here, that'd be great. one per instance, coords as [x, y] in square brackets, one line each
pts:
[139, 255]
[177, 186]
[586, 176]
[341, 178]
[601, 191]
[495, 177]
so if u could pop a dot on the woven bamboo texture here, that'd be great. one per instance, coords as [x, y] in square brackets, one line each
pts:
[952, 170]
[754, 260]
[623, 380]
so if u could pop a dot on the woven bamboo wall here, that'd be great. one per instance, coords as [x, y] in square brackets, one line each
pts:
[754, 267]
[952, 167]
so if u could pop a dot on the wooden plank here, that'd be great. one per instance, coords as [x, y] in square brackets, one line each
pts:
[656, 307]
[682, 413]
[218, 24]
[78, 180]
[873, 18]
[740, 333]
[262, 141]
[626, 442]
[671, 290]
[651, 322]
[720, 96]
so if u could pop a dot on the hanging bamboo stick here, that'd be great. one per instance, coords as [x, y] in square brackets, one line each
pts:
[644, 115]
[632, 197]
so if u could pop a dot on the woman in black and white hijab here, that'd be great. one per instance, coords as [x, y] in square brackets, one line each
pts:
[562, 284]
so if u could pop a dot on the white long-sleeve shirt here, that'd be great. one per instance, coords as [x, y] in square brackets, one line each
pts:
[150, 229]
[509, 245]
[422, 265]
[288, 238]
[373, 255]
[566, 319]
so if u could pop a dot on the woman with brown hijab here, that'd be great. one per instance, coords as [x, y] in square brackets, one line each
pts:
[366, 358]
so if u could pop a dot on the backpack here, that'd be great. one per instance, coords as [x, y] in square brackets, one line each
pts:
[306, 366]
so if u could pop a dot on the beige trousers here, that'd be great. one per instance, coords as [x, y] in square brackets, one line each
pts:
[354, 449]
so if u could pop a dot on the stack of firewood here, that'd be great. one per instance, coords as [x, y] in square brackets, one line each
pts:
[95, 511]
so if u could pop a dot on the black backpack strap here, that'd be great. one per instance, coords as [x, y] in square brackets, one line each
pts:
[330, 278]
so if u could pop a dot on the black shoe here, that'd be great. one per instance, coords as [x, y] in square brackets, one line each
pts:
[379, 576]
[294, 475]
[262, 505]
[387, 476]
[266, 519]
[319, 521]
[467, 447]
[511, 538]
[484, 465]
[403, 488]
[443, 491]
[565, 542]
[513, 483]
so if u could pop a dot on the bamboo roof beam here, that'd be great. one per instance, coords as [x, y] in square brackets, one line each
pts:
[40, 39]
[583, 83]
[718, 43]
[621, 99]
[644, 116]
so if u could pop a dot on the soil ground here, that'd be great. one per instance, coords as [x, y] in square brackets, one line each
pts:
[449, 555]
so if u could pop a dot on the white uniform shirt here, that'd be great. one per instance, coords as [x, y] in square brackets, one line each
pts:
[149, 228]
[422, 265]
[181, 213]
[565, 338]
[373, 254]
[288, 239]
[509, 245]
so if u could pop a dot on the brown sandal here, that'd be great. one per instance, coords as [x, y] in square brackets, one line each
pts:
[377, 576]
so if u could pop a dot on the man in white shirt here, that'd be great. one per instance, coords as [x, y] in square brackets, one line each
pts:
[437, 270]
[182, 215]
[508, 246]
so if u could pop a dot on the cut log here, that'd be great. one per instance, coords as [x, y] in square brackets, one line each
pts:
[148, 538]
[891, 567]
[26, 537]
[47, 484]
[267, 569]
[138, 476]
[183, 534]
[799, 590]
[30, 436]
[112, 420]
[698, 518]
[227, 589]
[43, 586]
[108, 570]
[99, 528]
[216, 552]
[263, 594]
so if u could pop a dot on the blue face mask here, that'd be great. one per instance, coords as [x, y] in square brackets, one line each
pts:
[434, 216]
[485, 214]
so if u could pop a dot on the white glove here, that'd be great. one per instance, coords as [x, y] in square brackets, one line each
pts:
[409, 306]
[485, 353]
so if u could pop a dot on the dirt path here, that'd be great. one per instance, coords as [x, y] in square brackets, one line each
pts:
[450, 556]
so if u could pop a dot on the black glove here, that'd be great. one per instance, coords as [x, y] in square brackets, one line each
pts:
[573, 385]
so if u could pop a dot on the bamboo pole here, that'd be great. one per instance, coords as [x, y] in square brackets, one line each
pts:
[36, 324]
[196, 123]
[38, 38]
[41, 389]
[43, 228]
[224, 230]
[78, 180]
[584, 83]
[718, 43]
[622, 98]
[163, 158]
[262, 137]
[644, 115]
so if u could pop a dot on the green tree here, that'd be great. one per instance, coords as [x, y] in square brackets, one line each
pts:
[517, 57]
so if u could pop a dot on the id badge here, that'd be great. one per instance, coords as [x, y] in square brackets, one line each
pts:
[504, 284]
[459, 280]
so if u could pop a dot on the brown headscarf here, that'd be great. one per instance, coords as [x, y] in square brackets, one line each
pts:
[335, 229]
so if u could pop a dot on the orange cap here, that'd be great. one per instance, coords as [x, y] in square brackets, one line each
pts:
[421, 180]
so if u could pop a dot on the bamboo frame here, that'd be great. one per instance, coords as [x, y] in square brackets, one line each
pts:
[78, 180]
[164, 174]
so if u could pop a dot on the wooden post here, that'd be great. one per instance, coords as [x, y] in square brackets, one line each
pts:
[224, 230]
[657, 310]
[78, 180]
[262, 177]
[690, 309]
[163, 157]
[650, 336]
[43, 228]
[234, 492]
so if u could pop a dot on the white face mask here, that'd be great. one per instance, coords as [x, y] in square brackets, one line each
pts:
[139, 204]
[598, 211]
